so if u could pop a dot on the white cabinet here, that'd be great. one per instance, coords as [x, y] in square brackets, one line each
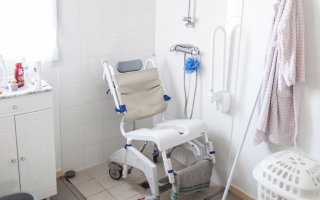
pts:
[27, 151]
[9, 172]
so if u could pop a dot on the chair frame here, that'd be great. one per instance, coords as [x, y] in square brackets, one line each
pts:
[130, 156]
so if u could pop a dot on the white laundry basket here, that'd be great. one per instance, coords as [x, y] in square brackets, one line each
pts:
[287, 175]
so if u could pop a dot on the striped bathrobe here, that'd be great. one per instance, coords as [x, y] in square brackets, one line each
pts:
[277, 112]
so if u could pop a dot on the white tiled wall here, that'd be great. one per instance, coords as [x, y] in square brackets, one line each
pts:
[121, 30]
[90, 30]
[170, 30]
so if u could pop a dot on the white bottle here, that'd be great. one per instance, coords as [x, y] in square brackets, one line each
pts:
[3, 73]
[26, 71]
[37, 75]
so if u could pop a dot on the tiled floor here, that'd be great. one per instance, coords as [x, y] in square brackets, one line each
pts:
[63, 192]
[95, 183]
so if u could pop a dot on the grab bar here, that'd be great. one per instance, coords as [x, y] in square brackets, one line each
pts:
[213, 36]
[222, 98]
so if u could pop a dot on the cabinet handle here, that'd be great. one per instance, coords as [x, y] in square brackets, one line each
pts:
[14, 107]
[14, 160]
[23, 158]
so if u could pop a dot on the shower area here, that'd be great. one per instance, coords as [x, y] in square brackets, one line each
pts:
[122, 30]
[206, 16]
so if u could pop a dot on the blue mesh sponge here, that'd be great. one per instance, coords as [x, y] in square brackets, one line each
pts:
[191, 65]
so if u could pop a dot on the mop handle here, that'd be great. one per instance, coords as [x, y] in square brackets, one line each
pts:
[240, 149]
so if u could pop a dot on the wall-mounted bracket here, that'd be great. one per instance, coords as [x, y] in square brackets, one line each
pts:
[189, 19]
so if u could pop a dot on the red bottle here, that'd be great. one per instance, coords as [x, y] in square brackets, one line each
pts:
[19, 74]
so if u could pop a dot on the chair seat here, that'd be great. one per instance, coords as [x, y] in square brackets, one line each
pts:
[171, 133]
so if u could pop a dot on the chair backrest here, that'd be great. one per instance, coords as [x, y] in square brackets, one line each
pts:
[141, 92]
[129, 66]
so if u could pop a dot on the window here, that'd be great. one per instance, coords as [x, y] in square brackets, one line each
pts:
[28, 28]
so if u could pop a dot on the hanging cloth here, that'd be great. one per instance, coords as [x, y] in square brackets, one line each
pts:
[277, 111]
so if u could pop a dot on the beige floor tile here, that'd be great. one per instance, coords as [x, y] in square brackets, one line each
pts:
[148, 153]
[136, 197]
[160, 167]
[136, 185]
[213, 189]
[81, 177]
[193, 196]
[176, 165]
[163, 196]
[148, 150]
[123, 191]
[90, 188]
[160, 161]
[135, 174]
[161, 172]
[98, 170]
[107, 182]
[101, 196]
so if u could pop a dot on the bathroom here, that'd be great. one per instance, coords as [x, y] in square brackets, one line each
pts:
[85, 125]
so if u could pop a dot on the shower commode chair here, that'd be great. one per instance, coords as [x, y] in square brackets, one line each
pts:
[139, 94]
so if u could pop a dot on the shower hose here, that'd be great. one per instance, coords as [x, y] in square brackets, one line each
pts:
[185, 93]
[186, 100]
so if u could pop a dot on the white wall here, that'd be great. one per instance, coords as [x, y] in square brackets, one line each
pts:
[170, 30]
[90, 30]
[54, 82]
[257, 16]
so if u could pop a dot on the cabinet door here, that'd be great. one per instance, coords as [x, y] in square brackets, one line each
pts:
[9, 172]
[35, 139]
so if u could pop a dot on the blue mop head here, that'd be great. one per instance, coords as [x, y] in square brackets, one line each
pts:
[191, 65]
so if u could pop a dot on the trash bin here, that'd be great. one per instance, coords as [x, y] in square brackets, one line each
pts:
[19, 196]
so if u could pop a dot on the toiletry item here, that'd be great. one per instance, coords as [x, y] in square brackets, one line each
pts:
[26, 71]
[19, 75]
[3, 73]
[14, 85]
[37, 75]
[8, 88]
[44, 83]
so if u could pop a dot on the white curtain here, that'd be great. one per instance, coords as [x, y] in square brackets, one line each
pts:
[28, 28]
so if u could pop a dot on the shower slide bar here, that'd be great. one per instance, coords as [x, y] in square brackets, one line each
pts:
[189, 19]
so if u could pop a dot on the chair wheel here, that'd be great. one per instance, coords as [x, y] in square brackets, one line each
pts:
[155, 158]
[116, 175]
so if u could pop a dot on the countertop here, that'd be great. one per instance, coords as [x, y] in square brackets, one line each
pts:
[26, 90]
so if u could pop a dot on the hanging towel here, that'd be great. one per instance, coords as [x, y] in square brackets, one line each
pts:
[277, 111]
[191, 179]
